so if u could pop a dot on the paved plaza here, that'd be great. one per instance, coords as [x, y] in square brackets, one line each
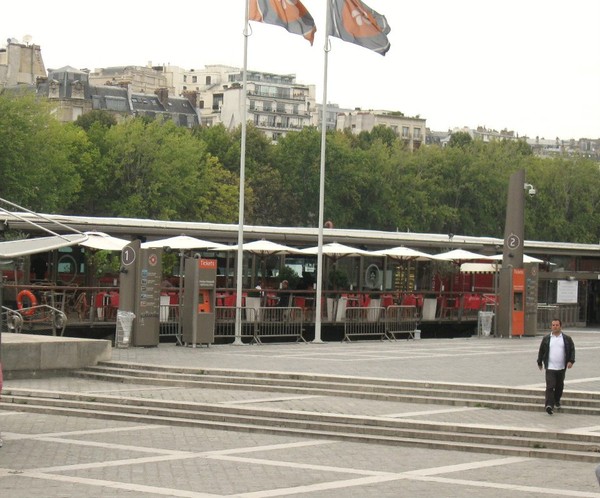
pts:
[50, 455]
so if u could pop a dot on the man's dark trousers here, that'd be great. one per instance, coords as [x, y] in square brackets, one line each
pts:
[555, 383]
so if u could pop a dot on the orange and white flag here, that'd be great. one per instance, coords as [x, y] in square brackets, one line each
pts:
[354, 22]
[289, 14]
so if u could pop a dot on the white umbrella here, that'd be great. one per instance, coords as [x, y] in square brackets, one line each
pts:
[404, 254]
[526, 259]
[336, 250]
[458, 255]
[184, 242]
[264, 247]
[103, 241]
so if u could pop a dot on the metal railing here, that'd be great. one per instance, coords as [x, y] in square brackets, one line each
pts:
[402, 320]
[364, 322]
[39, 318]
[568, 314]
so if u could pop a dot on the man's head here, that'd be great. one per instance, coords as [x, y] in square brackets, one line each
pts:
[556, 325]
[284, 284]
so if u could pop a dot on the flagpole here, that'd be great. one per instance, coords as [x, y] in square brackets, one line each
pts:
[319, 293]
[240, 248]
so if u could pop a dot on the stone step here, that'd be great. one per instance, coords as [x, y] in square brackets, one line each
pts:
[530, 401]
[339, 379]
[539, 443]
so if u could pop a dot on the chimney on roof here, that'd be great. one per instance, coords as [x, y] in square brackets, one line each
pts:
[163, 96]
[192, 97]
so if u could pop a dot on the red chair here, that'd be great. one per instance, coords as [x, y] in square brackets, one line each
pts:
[365, 300]
[100, 305]
[409, 300]
[387, 301]
[113, 305]
[99, 300]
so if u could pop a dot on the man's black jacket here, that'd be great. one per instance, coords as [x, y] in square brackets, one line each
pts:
[545, 350]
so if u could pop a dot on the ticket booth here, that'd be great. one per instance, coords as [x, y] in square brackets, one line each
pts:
[199, 301]
[518, 302]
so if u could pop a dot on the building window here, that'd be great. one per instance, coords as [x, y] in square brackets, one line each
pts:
[194, 79]
[201, 104]
[208, 80]
[417, 133]
[267, 106]
[405, 132]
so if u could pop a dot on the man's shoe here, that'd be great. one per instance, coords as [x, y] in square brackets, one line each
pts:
[558, 406]
[549, 410]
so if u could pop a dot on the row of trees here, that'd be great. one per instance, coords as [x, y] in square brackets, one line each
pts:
[151, 169]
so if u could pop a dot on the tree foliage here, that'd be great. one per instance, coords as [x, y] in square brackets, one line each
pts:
[153, 169]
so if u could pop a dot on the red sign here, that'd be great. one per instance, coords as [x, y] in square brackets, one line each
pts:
[207, 263]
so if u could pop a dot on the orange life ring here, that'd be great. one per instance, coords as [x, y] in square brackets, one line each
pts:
[32, 302]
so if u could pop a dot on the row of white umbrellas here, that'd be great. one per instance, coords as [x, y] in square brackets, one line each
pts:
[100, 240]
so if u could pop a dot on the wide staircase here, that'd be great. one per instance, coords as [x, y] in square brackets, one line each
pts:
[531, 442]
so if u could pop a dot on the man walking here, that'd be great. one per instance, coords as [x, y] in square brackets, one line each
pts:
[557, 353]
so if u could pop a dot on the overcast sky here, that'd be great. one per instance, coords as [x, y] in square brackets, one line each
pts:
[532, 66]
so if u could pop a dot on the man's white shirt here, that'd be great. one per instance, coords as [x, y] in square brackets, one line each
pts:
[556, 355]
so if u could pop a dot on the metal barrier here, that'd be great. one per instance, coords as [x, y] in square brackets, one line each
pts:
[567, 313]
[278, 322]
[364, 321]
[169, 321]
[225, 322]
[545, 314]
[402, 320]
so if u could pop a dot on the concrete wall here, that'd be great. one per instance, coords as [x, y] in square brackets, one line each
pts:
[33, 355]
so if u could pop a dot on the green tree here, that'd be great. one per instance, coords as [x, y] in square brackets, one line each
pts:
[297, 158]
[566, 206]
[39, 157]
[158, 170]
[460, 139]
[103, 118]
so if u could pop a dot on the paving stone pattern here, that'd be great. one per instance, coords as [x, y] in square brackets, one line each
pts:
[64, 456]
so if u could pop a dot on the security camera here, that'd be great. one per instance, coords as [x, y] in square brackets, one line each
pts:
[530, 189]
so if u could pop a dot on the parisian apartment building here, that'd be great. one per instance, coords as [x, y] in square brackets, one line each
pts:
[275, 103]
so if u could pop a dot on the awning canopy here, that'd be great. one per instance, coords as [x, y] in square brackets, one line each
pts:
[25, 247]
[480, 267]
[103, 241]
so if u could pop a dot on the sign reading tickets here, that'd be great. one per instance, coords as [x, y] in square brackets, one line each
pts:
[566, 291]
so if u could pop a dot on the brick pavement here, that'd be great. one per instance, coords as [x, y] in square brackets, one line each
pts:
[60, 456]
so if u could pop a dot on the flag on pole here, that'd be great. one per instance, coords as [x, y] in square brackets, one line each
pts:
[289, 14]
[354, 22]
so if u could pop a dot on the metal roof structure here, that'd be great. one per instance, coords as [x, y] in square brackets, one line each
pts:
[299, 236]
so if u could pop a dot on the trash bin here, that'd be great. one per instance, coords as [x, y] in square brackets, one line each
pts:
[484, 323]
[165, 304]
[124, 327]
